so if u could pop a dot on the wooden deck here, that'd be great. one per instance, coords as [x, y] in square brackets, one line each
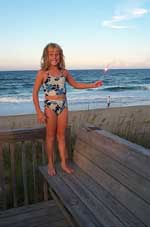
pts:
[42, 214]
[21, 152]
[110, 186]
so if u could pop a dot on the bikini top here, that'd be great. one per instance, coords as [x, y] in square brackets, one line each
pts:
[54, 85]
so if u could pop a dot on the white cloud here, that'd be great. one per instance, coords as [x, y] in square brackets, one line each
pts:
[119, 18]
[114, 22]
[139, 12]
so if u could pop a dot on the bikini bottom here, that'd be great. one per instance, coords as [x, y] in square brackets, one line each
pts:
[57, 106]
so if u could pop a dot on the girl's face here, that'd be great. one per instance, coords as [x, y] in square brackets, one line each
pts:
[54, 56]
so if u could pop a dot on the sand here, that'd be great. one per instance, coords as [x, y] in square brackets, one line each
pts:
[132, 123]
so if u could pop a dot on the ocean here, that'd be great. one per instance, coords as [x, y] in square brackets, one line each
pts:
[126, 87]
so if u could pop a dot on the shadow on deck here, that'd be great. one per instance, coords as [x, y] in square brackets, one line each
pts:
[41, 214]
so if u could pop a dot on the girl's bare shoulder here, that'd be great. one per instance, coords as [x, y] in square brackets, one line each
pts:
[40, 76]
[40, 73]
[65, 72]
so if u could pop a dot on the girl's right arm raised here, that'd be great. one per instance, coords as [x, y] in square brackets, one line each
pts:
[37, 84]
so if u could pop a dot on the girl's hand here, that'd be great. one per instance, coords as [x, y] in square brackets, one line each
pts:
[41, 117]
[97, 84]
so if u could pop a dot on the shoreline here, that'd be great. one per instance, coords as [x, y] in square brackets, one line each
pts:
[28, 108]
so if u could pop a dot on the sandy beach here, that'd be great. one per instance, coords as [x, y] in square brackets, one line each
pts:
[132, 123]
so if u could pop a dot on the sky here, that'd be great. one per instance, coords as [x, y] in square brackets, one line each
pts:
[92, 33]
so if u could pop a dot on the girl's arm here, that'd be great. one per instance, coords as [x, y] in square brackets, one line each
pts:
[78, 85]
[36, 88]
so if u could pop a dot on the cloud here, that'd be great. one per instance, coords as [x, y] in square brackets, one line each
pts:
[117, 21]
[112, 24]
[119, 18]
[139, 12]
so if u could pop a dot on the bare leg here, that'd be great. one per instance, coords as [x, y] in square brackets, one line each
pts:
[61, 129]
[51, 123]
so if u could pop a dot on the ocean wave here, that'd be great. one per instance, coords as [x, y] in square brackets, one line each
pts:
[16, 99]
[123, 88]
[84, 98]
[96, 98]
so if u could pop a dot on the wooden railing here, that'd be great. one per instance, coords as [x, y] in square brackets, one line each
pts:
[21, 151]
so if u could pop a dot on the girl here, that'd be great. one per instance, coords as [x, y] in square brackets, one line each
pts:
[53, 76]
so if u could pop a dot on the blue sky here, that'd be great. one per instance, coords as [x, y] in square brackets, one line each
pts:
[92, 33]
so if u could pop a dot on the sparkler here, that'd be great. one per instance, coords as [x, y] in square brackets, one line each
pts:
[106, 68]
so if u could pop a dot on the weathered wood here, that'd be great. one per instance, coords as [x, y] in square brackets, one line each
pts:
[68, 142]
[34, 167]
[17, 135]
[127, 177]
[40, 214]
[111, 181]
[45, 187]
[43, 152]
[129, 154]
[66, 214]
[90, 200]
[23, 144]
[130, 200]
[72, 202]
[2, 181]
[120, 211]
[13, 174]
[24, 174]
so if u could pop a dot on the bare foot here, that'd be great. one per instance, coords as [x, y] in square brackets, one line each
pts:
[67, 169]
[51, 171]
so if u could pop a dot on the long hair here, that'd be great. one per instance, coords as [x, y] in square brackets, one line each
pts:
[45, 64]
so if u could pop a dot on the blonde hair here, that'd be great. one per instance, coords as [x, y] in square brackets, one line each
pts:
[45, 64]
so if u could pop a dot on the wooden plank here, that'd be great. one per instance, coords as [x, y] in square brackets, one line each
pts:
[13, 173]
[102, 213]
[135, 182]
[2, 180]
[27, 209]
[43, 152]
[67, 215]
[129, 154]
[68, 142]
[22, 134]
[120, 211]
[71, 201]
[35, 215]
[24, 174]
[17, 135]
[137, 148]
[34, 168]
[40, 214]
[12, 136]
[130, 200]
[45, 188]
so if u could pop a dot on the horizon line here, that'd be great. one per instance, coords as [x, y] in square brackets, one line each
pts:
[113, 68]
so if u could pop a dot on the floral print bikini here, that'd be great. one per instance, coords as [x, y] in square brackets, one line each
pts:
[53, 86]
